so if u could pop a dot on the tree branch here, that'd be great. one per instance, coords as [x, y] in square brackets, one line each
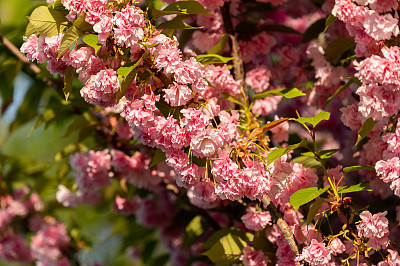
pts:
[15, 51]
[281, 223]
[238, 67]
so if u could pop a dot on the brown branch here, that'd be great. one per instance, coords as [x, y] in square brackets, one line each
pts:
[238, 67]
[21, 57]
[281, 223]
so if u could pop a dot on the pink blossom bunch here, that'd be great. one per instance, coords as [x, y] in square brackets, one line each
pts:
[375, 228]
[92, 169]
[252, 257]
[128, 26]
[256, 220]
[258, 79]
[316, 254]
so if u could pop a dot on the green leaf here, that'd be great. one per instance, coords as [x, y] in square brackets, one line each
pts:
[188, 7]
[314, 210]
[159, 260]
[280, 28]
[286, 92]
[70, 37]
[323, 154]
[227, 250]
[338, 47]
[69, 74]
[314, 120]
[358, 167]
[176, 24]
[57, 5]
[224, 232]
[213, 59]
[47, 22]
[364, 186]
[148, 251]
[313, 31]
[181, 7]
[329, 21]
[219, 47]
[275, 154]
[308, 162]
[193, 231]
[91, 40]
[127, 74]
[159, 156]
[339, 90]
[303, 196]
[260, 241]
[82, 121]
[365, 129]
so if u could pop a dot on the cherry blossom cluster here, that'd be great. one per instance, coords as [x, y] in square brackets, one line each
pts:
[49, 243]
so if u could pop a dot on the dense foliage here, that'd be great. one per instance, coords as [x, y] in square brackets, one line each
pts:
[203, 132]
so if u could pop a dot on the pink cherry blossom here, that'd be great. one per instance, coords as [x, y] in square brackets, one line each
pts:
[337, 246]
[256, 220]
[252, 257]
[258, 78]
[316, 253]
[206, 143]
[375, 228]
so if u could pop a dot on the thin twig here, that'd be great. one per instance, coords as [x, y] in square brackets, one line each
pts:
[15, 51]
[281, 223]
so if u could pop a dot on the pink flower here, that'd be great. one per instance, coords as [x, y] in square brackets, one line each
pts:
[31, 49]
[389, 170]
[337, 246]
[66, 197]
[256, 220]
[221, 78]
[140, 113]
[178, 94]
[381, 27]
[167, 58]
[392, 260]
[101, 88]
[252, 257]
[14, 248]
[223, 168]
[316, 254]
[177, 159]
[266, 106]
[375, 228]
[289, 56]
[103, 27]
[75, 7]
[351, 117]
[95, 10]
[189, 176]
[125, 206]
[383, 5]
[92, 168]
[80, 57]
[258, 78]
[128, 26]
[205, 191]
[206, 143]
[123, 130]
[194, 121]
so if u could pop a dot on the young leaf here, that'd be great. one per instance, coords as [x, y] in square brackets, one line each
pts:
[69, 74]
[224, 232]
[358, 167]
[339, 90]
[91, 40]
[287, 93]
[267, 127]
[219, 47]
[308, 162]
[193, 231]
[227, 250]
[188, 7]
[70, 37]
[323, 154]
[303, 196]
[280, 28]
[176, 24]
[314, 120]
[364, 186]
[313, 31]
[275, 154]
[365, 129]
[48, 22]
[337, 47]
[314, 210]
[329, 21]
[159, 156]
[213, 59]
